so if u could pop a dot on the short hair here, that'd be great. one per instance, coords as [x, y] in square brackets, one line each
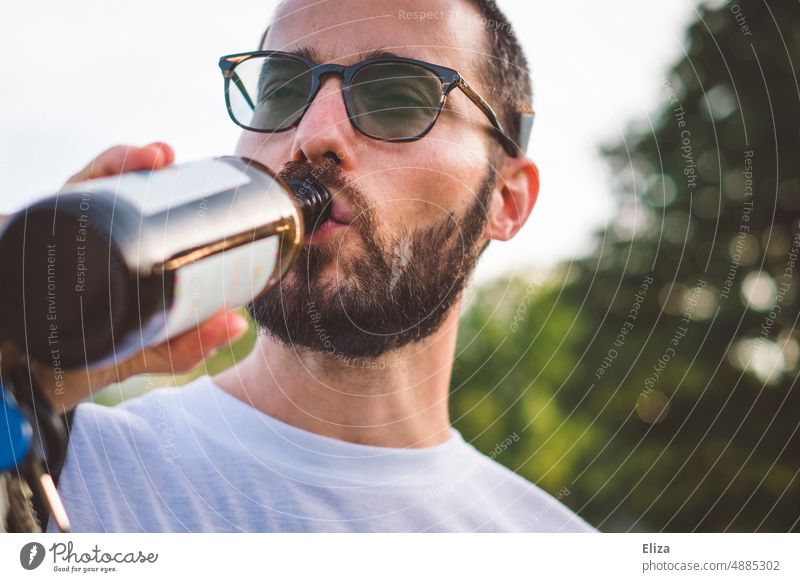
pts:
[506, 74]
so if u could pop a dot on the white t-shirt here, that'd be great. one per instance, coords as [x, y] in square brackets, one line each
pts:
[198, 459]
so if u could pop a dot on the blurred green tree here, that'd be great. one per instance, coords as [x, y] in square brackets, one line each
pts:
[655, 386]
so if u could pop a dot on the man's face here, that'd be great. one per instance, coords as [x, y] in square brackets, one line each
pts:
[417, 210]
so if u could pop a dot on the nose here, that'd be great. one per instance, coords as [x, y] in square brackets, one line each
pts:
[325, 132]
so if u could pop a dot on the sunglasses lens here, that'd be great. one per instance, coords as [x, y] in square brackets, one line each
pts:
[269, 93]
[395, 100]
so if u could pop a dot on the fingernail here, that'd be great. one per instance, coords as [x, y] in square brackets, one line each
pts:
[238, 327]
[160, 147]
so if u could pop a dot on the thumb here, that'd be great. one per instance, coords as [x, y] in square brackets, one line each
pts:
[122, 158]
[182, 353]
[220, 330]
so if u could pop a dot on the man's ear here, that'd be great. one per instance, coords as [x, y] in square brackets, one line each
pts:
[513, 197]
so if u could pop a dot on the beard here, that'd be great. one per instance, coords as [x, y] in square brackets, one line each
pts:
[395, 291]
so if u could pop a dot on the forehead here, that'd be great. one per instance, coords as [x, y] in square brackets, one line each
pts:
[444, 32]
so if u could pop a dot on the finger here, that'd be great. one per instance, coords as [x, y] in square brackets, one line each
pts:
[220, 330]
[10, 355]
[121, 158]
[178, 355]
[118, 159]
[184, 352]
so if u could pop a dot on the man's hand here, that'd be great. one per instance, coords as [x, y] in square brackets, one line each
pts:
[177, 355]
[120, 158]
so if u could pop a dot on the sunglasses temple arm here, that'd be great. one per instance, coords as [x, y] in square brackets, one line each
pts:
[244, 92]
[525, 129]
[511, 148]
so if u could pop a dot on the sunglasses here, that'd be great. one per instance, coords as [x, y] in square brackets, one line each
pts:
[387, 98]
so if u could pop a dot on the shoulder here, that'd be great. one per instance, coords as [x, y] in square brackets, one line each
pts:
[154, 418]
[131, 417]
[120, 458]
[528, 507]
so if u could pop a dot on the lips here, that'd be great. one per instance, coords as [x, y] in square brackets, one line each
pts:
[324, 231]
[340, 219]
[340, 213]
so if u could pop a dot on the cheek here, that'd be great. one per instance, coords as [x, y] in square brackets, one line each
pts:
[422, 184]
[271, 150]
[409, 185]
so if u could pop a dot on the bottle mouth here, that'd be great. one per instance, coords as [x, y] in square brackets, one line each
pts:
[314, 199]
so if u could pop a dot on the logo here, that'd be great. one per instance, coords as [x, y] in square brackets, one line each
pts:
[31, 555]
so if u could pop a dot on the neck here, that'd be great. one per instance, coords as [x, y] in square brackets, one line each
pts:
[397, 400]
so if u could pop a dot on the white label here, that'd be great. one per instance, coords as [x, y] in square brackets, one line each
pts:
[224, 281]
[157, 190]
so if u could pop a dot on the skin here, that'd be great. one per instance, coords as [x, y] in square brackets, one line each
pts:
[384, 404]
[180, 354]
[408, 183]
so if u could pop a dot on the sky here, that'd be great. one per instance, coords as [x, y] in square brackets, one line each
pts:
[81, 76]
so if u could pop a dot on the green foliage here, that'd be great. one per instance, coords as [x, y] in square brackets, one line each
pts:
[689, 419]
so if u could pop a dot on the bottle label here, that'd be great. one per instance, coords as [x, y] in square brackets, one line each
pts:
[154, 191]
[224, 281]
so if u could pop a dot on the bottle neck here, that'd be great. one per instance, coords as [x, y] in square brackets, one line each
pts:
[314, 200]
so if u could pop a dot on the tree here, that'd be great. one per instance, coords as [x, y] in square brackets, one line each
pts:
[657, 382]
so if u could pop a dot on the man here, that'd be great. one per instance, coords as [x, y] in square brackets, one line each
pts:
[338, 419]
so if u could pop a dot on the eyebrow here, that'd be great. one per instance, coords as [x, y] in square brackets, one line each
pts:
[306, 52]
[380, 53]
[310, 53]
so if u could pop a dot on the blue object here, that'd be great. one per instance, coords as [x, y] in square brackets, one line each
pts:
[15, 433]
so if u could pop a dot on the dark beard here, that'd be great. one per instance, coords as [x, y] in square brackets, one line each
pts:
[391, 295]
